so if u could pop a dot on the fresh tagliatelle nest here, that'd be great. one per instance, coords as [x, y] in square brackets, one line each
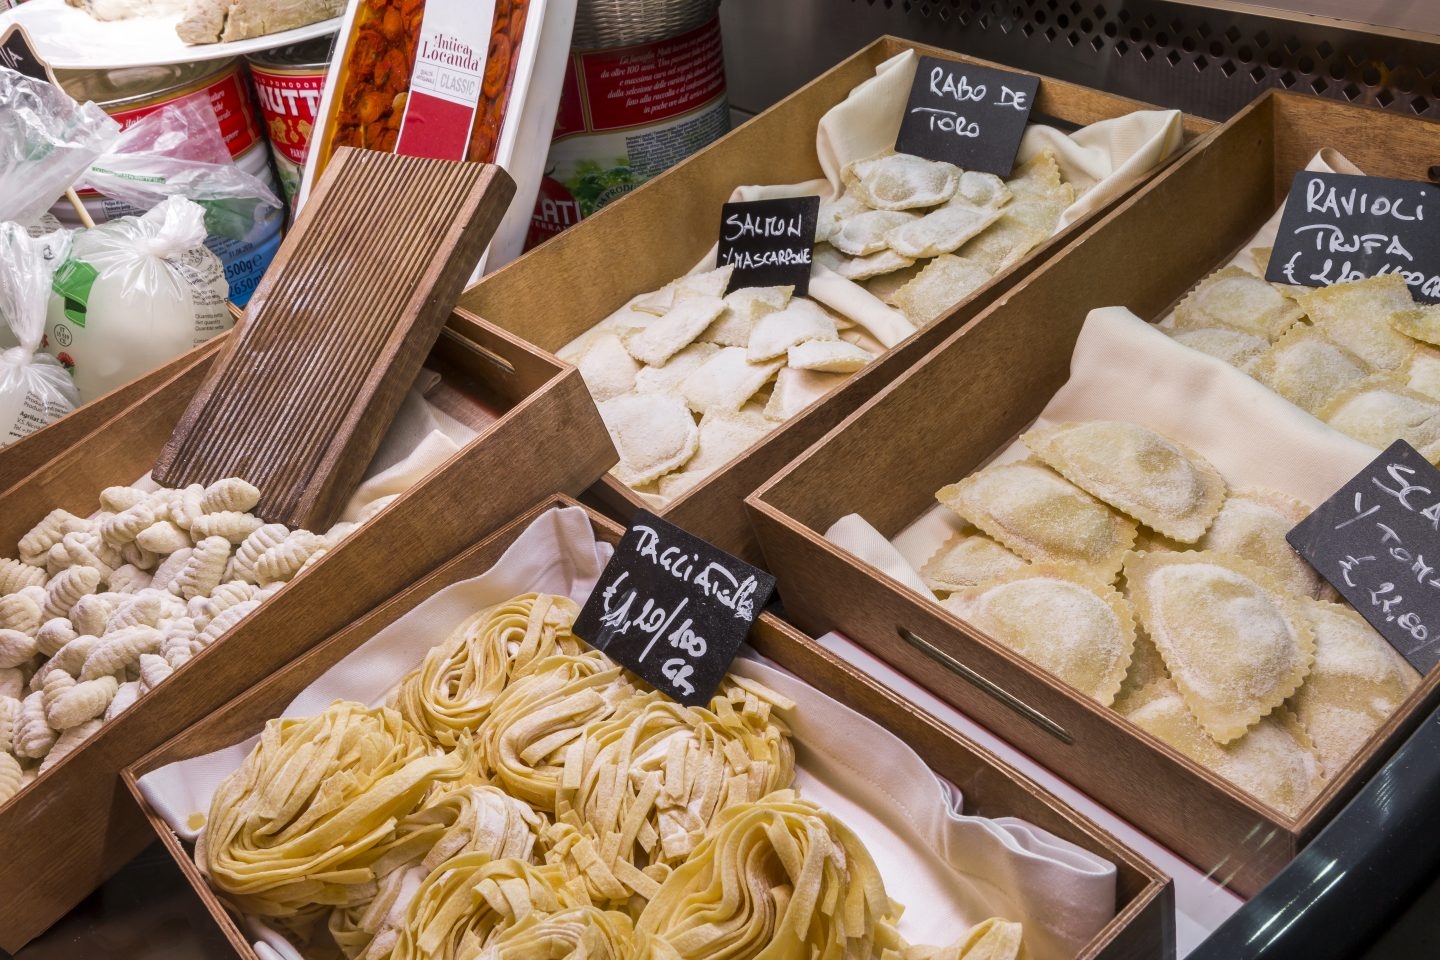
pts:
[525, 798]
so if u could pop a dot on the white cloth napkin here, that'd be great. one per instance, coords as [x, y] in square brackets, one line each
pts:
[951, 870]
[421, 438]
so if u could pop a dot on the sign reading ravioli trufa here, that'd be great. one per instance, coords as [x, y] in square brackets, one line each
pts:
[17, 53]
[1339, 227]
[768, 242]
[968, 115]
[673, 608]
[1378, 542]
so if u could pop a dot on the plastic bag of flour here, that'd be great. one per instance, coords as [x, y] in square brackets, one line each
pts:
[34, 388]
[134, 293]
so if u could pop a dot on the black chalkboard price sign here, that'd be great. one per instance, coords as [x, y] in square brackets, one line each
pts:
[968, 115]
[1339, 227]
[18, 53]
[1378, 541]
[673, 608]
[768, 242]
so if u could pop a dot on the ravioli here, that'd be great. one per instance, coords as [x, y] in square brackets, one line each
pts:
[1235, 347]
[1004, 243]
[1307, 368]
[1043, 517]
[1419, 323]
[1357, 316]
[726, 381]
[1146, 680]
[945, 282]
[968, 559]
[1238, 299]
[865, 233]
[1357, 682]
[1232, 638]
[885, 286]
[796, 389]
[777, 332]
[1275, 763]
[1253, 524]
[1421, 371]
[671, 377]
[903, 182]
[676, 330]
[653, 434]
[828, 356]
[743, 309]
[607, 367]
[1083, 634]
[940, 231]
[978, 189]
[709, 283]
[723, 436]
[1039, 179]
[835, 212]
[1379, 410]
[861, 268]
[1158, 481]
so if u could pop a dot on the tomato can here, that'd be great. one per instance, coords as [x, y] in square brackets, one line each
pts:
[632, 108]
[130, 93]
[289, 82]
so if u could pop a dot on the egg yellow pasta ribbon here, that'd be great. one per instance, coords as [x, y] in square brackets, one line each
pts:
[320, 811]
[451, 692]
[576, 933]
[467, 898]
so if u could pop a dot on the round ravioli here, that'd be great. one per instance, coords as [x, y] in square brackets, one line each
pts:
[903, 182]
[1232, 639]
[1083, 634]
[1042, 517]
[1163, 484]
[1275, 763]
[1252, 524]
[1146, 679]
[1355, 685]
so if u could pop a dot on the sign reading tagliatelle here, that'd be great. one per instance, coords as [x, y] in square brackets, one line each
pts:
[1377, 541]
[673, 608]
[770, 243]
[1338, 227]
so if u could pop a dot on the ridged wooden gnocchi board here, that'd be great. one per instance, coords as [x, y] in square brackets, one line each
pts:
[336, 332]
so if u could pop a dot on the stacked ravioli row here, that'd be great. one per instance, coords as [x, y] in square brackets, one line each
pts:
[922, 235]
[1118, 560]
[688, 377]
[1360, 355]
[523, 798]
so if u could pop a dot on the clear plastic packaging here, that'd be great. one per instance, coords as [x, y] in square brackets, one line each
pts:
[46, 141]
[134, 293]
[179, 151]
[35, 390]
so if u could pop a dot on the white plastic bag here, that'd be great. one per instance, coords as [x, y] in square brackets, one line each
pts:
[180, 151]
[34, 388]
[135, 293]
[46, 141]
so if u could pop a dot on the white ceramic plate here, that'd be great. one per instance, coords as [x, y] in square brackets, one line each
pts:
[70, 39]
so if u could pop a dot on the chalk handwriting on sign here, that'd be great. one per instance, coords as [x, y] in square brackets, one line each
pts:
[768, 242]
[1378, 542]
[17, 53]
[1339, 227]
[966, 114]
[673, 608]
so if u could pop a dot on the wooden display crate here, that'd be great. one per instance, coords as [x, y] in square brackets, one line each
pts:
[1143, 928]
[538, 432]
[560, 290]
[984, 386]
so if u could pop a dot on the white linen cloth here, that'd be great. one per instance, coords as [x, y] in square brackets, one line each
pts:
[951, 870]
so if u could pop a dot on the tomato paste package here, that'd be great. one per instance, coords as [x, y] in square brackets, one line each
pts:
[450, 79]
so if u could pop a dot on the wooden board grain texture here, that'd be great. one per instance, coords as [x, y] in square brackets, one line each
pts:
[1143, 928]
[333, 337]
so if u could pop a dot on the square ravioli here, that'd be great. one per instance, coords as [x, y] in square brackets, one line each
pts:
[1307, 368]
[1380, 410]
[1237, 299]
[1357, 316]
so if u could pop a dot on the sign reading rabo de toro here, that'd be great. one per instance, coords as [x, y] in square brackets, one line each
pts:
[673, 608]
